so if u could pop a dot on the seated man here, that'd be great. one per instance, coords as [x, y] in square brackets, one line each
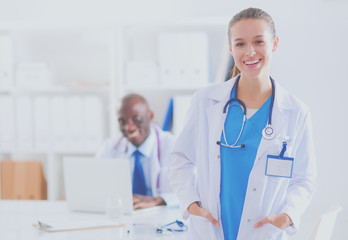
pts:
[147, 148]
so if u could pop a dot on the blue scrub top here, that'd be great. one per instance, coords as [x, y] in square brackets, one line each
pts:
[236, 163]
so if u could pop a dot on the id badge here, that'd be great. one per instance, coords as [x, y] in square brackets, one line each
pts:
[277, 166]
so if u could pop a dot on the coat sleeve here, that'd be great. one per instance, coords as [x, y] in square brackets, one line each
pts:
[182, 175]
[103, 150]
[302, 184]
[111, 148]
[166, 193]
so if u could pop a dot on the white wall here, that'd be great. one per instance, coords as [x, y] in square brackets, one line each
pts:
[311, 62]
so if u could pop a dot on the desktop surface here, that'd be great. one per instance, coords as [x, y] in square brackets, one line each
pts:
[17, 217]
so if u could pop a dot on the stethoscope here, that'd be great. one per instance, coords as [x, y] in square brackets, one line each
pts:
[167, 229]
[180, 227]
[268, 132]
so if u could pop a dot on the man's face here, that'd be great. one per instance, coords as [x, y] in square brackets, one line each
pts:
[134, 119]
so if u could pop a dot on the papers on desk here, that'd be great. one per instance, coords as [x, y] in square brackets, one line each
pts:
[60, 226]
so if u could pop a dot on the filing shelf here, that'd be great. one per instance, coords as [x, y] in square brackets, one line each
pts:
[114, 42]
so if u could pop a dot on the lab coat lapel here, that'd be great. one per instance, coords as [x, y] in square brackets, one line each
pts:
[155, 170]
[282, 102]
[218, 99]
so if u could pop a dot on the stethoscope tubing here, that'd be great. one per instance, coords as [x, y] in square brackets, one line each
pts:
[235, 86]
[244, 110]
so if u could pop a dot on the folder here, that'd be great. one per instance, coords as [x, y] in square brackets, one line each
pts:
[23, 180]
[7, 170]
[63, 226]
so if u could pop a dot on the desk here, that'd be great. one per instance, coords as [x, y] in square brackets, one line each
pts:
[17, 217]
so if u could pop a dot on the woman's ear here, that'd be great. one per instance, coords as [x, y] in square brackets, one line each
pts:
[230, 48]
[275, 43]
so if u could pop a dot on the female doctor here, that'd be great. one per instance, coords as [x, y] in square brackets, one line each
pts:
[243, 167]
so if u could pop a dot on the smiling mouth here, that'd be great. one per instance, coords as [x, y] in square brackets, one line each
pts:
[132, 134]
[252, 62]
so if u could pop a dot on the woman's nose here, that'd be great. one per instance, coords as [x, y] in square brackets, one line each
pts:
[251, 51]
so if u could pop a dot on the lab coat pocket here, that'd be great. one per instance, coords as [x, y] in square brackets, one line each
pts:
[274, 179]
[203, 228]
[270, 232]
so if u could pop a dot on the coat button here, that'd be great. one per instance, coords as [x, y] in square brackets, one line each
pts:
[254, 189]
[218, 156]
[248, 220]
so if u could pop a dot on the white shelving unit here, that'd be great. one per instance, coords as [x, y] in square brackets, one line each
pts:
[140, 43]
[92, 61]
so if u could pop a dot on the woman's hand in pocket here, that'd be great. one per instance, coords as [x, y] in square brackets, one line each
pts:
[194, 209]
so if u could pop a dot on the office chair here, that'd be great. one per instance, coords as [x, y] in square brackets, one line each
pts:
[325, 224]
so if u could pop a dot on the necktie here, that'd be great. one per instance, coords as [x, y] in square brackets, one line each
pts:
[139, 186]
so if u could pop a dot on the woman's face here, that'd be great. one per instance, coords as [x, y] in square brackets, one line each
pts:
[251, 46]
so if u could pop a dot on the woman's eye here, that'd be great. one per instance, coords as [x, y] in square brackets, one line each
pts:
[259, 41]
[239, 44]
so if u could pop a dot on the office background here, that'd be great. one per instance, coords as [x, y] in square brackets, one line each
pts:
[310, 62]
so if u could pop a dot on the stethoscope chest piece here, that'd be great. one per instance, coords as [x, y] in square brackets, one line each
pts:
[268, 132]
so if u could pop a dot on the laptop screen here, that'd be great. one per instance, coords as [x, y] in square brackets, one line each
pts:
[89, 182]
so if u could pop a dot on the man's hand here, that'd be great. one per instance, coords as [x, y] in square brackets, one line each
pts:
[141, 201]
[281, 221]
[194, 209]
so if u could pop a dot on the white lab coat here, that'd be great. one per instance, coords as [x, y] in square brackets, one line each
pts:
[196, 170]
[117, 148]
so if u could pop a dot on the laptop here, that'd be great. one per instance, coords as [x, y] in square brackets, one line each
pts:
[89, 182]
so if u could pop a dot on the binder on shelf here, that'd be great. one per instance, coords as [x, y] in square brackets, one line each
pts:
[167, 59]
[7, 123]
[58, 120]
[32, 75]
[24, 122]
[75, 121]
[168, 119]
[197, 61]
[180, 109]
[93, 118]
[42, 130]
[184, 59]
[141, 74]
[6, 60]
